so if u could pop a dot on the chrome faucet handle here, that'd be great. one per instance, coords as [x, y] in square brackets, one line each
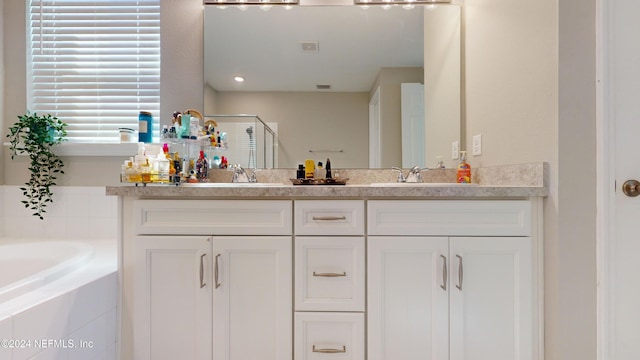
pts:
[401, 177]
[239, 174]
[415, 174]
[252, 177]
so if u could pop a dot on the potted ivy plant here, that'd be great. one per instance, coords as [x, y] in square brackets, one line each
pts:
[35, 136]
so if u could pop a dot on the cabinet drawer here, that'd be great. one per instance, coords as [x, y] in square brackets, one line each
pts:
[449, 217]
[329, 274]
[329, 336]
[320, 217]
[209, 217]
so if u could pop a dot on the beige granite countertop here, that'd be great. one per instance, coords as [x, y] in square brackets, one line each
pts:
[513, 181]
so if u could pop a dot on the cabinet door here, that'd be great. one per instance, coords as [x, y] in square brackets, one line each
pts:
[252, 305]
[172, 305]
[407, 298]
[491, 298]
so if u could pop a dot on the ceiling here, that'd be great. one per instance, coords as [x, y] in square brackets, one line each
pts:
[265, 46]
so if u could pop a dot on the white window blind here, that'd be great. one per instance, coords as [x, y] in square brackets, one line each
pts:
[95, 64]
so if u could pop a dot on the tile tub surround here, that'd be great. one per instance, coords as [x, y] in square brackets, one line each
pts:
[80, 306]
[495, 182]
[77, 212]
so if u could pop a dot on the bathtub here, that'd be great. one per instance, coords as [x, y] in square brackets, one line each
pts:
[59, 291]
[33, 264]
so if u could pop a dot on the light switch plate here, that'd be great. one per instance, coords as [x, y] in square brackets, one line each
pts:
[477, 145]
[455, 150]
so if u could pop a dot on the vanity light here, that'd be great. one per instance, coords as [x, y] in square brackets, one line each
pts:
[266, 6]
[244, 4]
[407, 4]
[238, 78]
[410, 5]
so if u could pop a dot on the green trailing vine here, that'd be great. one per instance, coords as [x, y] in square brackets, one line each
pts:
[35, 135]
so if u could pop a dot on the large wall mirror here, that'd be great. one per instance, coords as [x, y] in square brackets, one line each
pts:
[366, 87]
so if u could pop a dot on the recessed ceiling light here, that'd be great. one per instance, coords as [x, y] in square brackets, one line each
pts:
[238, 78]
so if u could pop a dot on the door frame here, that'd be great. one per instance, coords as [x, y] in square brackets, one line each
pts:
[605, 165]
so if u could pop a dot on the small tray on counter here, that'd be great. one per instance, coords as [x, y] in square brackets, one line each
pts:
[339, 181]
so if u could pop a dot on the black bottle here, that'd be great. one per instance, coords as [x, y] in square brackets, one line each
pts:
[327, 167]
[300, 172]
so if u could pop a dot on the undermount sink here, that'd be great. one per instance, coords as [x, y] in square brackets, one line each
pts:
[413, 184]
[229, 185]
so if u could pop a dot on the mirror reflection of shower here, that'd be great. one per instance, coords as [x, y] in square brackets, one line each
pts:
[252, 145]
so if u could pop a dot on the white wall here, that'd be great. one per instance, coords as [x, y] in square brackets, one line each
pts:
[442, 83]
[530, 92]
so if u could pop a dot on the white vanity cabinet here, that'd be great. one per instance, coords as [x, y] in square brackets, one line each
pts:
[252, 290]
[329, 279]
[173, 297]
[451, 279]
[223, 292]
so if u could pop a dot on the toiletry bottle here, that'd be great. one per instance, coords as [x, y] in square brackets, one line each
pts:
[319, 172]
[202, 168]
[328, 168]
[145, 171]
[163, 168]
[145, 127]
[309, 168]
[300, 172]
[464, 169]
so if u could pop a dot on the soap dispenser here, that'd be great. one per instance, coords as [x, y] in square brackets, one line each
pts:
[464, 169]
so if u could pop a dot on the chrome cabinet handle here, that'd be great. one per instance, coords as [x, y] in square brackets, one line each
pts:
[460, 274]
[202, 283]
[329, 218]
[445, 274]
[329, 351]
[329, 274]
[216, 272]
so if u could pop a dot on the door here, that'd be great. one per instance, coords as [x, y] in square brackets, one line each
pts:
[491, 300]
[413, 128]
[407, 298]
[252, 298]
[172, 306]
[620, 287]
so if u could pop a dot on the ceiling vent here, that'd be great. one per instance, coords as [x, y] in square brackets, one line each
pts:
[309, 46]
[323, 87]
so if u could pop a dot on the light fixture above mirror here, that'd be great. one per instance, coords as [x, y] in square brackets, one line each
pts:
[320, 2]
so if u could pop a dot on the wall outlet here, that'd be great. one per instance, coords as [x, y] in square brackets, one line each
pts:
[477, 145]
[455, 150]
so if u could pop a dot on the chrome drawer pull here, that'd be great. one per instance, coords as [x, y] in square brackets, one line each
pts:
[445, 275]
[329, 351]
[202, 283]
[329, 274]
[216, 272]
[460, 274]
[329, 218]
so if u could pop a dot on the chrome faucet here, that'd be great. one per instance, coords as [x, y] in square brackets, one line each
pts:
[241, 176]
[414, 175]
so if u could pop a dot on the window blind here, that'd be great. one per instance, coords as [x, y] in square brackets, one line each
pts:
[95, 64]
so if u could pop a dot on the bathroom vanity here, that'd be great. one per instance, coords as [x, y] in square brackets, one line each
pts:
[331, 272]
